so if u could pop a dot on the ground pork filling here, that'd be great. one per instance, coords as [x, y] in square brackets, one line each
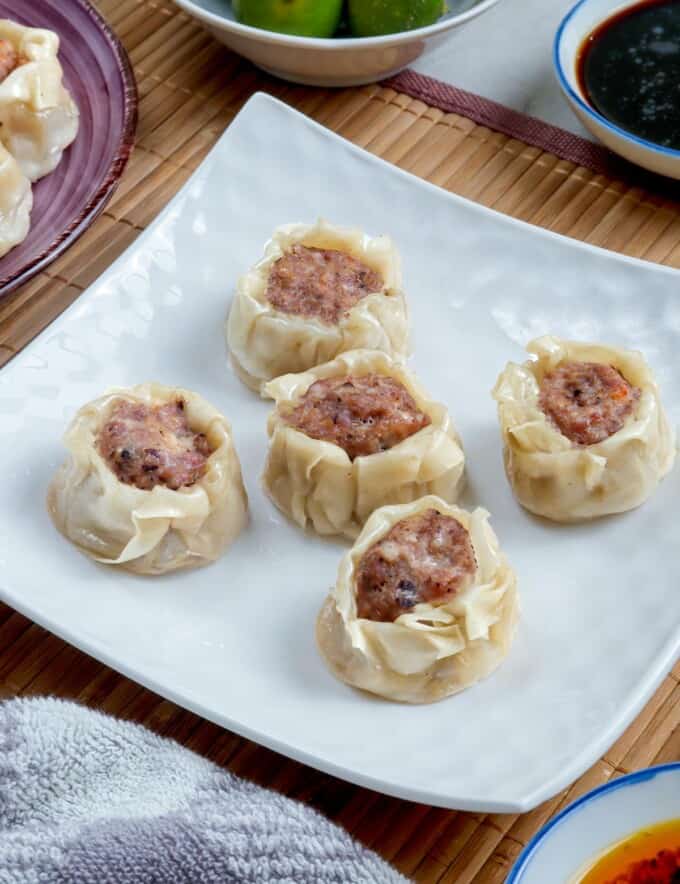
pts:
[149, 445]
[363, 415]
[320, 283]
[424, 558]
[9, 59]
[587, 401]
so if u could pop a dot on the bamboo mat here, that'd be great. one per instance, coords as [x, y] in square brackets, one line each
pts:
[190, 89]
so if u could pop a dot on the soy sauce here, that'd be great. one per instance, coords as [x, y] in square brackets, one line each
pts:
[629, 69]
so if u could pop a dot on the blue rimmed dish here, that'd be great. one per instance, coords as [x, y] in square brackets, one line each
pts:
[581, 20]
[564, 848]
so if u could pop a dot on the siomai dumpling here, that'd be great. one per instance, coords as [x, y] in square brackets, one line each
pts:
[38, 117]
[355, 434]
[584, 430]
[16, 202]
[318, 291]
[425, 603]
[152, 482]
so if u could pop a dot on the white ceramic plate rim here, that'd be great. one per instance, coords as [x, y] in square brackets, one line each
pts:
[332, 43]
[590, 753]
[604, 791]
[578, 99]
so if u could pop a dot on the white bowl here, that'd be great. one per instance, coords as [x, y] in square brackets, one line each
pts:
[578, 23]
[565, 846]
[346, 61]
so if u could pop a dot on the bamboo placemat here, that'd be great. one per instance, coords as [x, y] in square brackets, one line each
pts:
[190, 89]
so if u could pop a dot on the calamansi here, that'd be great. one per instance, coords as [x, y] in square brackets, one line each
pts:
[306, 18]
[371, 18]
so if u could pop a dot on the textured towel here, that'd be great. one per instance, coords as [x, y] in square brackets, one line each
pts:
[87, 799]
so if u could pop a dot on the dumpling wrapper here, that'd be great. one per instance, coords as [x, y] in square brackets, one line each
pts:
[556, 478]
[316, 484]
[432, 651]
[38, 117]
[265, 343]
[148, 532]
[16, 202]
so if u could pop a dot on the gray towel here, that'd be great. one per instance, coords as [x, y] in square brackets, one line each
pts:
[87, 799]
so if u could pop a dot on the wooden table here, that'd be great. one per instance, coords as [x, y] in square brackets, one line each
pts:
[190, 89]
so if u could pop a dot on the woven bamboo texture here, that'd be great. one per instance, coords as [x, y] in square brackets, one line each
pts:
[190, 89]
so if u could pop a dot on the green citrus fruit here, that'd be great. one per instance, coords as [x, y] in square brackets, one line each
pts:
[305, 18]
[371, 18]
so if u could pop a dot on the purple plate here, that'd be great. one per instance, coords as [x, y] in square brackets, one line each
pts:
[99, 75]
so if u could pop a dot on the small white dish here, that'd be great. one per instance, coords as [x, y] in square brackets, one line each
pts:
[234, 642]
[578, 23]
[562, 850]
[345, 61]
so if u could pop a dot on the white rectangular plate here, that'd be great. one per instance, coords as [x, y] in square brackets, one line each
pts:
[235, 642]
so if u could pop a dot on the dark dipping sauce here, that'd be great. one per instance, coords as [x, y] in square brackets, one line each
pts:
[629, 69]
